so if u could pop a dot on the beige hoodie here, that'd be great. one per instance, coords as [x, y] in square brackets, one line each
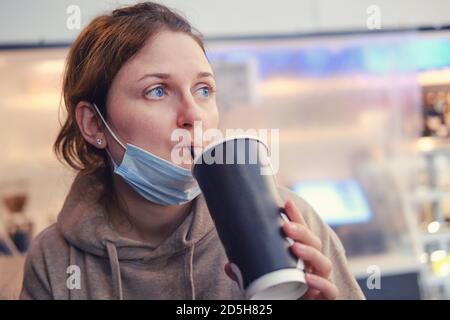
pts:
[82, 257]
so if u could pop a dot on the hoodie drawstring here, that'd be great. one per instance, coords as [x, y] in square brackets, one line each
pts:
[115, 269]
[190, 267]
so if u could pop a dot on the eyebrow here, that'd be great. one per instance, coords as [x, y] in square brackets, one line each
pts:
[167, 76]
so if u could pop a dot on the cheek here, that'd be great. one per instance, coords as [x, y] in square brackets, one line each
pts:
[143, 127]
[150, 127]
[212, 119]
[211, 127]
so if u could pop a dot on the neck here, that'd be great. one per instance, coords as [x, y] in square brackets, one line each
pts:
[150, 222]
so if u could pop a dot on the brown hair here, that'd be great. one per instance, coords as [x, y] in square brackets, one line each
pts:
[93, 61]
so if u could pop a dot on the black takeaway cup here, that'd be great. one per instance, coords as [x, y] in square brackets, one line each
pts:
[248, 214]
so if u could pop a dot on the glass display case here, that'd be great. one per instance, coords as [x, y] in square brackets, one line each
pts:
[348, 109]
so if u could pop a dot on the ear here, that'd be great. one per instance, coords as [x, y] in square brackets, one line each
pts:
[90, 125]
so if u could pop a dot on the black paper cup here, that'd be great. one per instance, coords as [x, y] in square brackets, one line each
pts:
[248, 214]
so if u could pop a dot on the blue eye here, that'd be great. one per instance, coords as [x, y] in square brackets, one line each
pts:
[204, 91]
[157, 92]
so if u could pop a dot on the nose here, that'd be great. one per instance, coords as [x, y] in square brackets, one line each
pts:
[188, 112]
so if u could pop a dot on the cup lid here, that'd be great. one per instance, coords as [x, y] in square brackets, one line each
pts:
[221, 141]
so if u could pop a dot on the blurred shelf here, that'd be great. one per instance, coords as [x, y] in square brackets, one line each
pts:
[388, 264]
[430, 196]
[433, 280]
[431, 146]
[442, 235]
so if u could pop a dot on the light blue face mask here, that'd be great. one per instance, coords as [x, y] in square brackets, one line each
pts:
[154, 178]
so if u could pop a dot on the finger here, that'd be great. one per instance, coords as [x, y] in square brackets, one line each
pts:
[321, 265]
[312, 294]
[327, 289]
[230, 272]
[293, 213]
[302, 234]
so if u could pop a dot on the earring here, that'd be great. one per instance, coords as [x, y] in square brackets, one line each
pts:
[99, 141]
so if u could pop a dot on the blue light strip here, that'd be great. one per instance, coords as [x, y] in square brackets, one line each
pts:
[409, 55]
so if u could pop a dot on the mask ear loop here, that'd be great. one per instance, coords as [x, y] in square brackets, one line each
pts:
[107, 126]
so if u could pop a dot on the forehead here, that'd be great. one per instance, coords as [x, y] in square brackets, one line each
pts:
[170, 52]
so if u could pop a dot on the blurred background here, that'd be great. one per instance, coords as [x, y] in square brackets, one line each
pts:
[360, 91]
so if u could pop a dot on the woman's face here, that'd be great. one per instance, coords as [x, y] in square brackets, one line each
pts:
[166, 86]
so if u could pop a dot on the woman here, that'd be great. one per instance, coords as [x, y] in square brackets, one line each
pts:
[133, 77]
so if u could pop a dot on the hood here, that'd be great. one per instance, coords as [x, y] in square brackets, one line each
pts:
[84, 224]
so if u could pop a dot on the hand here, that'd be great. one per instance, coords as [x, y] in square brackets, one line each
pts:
[307, 247]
